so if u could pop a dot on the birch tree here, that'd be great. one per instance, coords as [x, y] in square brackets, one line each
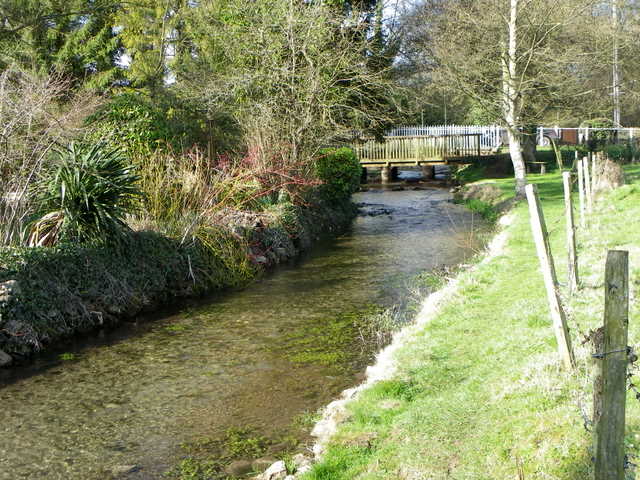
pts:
[518, 62]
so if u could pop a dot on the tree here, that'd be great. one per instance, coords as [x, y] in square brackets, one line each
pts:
[151, 37]
[517, 61]
[291, 74]
[75, 38]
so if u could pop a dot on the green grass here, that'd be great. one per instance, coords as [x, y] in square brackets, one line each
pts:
[479, 393]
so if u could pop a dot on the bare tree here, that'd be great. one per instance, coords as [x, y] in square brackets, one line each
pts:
[519, 62]
[292, 74]
[37, 112]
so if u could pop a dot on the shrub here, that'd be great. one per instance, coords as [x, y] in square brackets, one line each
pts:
[340, 171]
[468, 173]
[484, 209]
[141, 124]
[620, 152]
[133, 122]
[84, 197]
[599, 138]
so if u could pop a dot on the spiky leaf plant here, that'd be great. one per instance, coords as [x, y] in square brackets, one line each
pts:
[85, 197]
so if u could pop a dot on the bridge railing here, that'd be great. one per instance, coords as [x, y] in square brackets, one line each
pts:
[422, 148]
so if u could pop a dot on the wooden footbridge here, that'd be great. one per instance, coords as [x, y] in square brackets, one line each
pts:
[424, 151]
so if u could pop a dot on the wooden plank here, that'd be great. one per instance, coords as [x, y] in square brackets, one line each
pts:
[541, 238]
[610, 458]
[572, 269]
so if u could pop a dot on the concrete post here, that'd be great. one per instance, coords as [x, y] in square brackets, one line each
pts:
[385, 174]
[428, 172]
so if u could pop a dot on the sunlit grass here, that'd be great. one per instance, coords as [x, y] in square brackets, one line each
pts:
[480, 393]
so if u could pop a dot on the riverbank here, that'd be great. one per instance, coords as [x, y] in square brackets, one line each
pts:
[50, 294]
[475, 390]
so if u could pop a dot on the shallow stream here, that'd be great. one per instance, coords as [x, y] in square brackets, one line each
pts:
[257, 358]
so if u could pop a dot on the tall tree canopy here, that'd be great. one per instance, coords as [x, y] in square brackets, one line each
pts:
[76, 38]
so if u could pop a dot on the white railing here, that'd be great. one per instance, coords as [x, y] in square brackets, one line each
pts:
[491, 136]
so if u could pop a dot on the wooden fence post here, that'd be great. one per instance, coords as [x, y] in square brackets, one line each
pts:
[609, 462]
[581, 191]
[572, 265]
[597, 340]
[587, 184]
[595, 161]
[541, 238]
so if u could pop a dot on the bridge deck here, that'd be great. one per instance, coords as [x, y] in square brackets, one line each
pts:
[411, 162]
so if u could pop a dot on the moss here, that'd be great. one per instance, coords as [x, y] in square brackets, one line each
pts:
[327, 341]
[206, 458]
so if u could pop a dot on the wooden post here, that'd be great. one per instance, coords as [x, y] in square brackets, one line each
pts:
[609, 463]
[595, 163]
[572, 265]
[597, 339]
[587, 184]
[581, 191]
[541, 238]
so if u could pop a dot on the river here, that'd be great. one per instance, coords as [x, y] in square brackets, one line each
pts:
[255, 360]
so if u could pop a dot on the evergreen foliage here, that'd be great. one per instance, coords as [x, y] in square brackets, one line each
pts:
[340, 171]
[85, 197]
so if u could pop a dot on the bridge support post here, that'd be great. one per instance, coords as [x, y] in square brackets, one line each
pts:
[428, 172]
[363, 175]
[385, 174]
[394, 173]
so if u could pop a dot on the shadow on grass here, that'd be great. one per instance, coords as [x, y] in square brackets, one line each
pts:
[579, 467]
[632, 173]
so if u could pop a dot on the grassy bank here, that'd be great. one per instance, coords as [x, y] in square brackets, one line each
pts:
[478, 393]
[51, 293]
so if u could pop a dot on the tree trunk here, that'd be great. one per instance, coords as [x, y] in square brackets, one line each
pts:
[529, 146]
[515, 150]
[510, 102]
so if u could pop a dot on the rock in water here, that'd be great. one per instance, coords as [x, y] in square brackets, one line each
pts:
[125, 469]
[261, 464]
[277, 471]
[239, 468]
[5, 359]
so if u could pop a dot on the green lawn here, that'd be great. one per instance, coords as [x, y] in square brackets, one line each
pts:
[479, 393]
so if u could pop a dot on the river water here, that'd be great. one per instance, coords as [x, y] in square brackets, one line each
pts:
[255, 359]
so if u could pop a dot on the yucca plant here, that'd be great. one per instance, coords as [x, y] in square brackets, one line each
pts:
[85, 196]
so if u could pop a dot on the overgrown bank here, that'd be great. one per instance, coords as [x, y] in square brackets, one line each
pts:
[478, 392]
[49, 293]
